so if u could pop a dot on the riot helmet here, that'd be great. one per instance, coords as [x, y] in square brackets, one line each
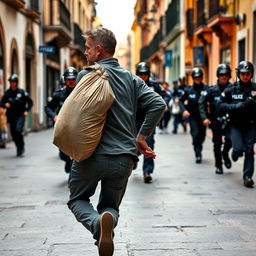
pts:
[197, 72]
[143, 67]
[182, 78]
[13, 78]
[62, 81]
[223, 69]
[244, 67]
[70, 73]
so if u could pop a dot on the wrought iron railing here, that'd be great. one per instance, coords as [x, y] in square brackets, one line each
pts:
[78, 39]
[147, 51]
[200, 13]
[34, 5]
[172, 15]
[190, 21]
[64, 15]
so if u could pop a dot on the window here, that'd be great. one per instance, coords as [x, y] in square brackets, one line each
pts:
[241, 50]
[225, 56]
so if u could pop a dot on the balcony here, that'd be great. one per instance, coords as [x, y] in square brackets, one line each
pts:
[79, 42]
[59, 26]
[221, 17]
[201, 21]
[18, 4]
[151, 49]
[33, 9]
[172, 16]
[190, 23]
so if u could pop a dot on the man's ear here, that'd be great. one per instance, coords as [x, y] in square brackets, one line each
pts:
[99, 50]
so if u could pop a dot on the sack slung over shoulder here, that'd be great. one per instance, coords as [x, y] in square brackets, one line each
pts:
[80, 122]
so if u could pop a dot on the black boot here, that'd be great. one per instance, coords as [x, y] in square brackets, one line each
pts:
[219, 170]
[227, 161]
[20, 151]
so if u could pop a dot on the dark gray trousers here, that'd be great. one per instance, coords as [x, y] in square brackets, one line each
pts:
[113, 172]
[243, 139]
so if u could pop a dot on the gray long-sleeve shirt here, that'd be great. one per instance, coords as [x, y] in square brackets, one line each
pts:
[131, 92]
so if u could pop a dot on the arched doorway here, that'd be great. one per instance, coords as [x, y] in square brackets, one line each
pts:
[30, 76]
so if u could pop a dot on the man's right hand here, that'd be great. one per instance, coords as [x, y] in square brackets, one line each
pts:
[7, 105]
[55, 118]
[186, 113]
[143, 147]
[206, 122]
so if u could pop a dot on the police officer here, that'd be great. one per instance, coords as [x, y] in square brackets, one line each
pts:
[239, 101]
[163, 124]
[191, 110]
[218, 122]
[18, 103]
[143, 71]
[53, 107]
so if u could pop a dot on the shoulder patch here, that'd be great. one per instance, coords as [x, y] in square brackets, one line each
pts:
[253, 93]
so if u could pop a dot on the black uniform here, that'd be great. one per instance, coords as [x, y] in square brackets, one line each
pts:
[197, 129]
[178, 93]
[219, 124]
[52, 109]
[240, 102]
[20, 102]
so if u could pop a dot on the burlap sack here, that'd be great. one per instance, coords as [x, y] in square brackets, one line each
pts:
[80, 122]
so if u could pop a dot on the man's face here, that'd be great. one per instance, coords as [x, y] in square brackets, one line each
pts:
[143, 76]
[14, 85]
[165, 86]
[91, 51]
[71, 83]
[223, 79]
[245, 76]
[198, 80]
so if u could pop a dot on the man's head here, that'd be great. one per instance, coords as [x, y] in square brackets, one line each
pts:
[143, 71]
[223, 73]
[175, 83]
[70, 75]
[197, 75]
[165, 85]
[100, 44]
[13, 79]
[182, 80]
[245, 71]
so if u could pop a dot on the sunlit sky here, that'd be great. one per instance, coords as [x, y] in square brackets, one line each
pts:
[116, 15]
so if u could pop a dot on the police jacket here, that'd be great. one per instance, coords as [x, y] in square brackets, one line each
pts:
[178, 92]
[212, 96]
[54, 105]
[20, 102]
[239, 100]
[191, 97]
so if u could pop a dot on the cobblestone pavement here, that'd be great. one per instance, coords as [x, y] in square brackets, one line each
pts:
[188, 210]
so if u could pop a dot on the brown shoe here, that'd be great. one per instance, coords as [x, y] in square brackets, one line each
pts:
[106, 245]
[147, 177]
[248, 182]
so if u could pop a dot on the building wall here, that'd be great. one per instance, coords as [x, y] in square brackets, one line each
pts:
[14, 39]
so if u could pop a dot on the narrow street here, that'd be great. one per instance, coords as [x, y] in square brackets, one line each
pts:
[188, 210]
